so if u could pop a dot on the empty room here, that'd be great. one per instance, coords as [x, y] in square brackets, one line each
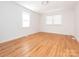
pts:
[39, 28]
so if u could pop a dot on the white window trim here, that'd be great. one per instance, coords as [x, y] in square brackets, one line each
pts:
[25, 19]
[52, 21]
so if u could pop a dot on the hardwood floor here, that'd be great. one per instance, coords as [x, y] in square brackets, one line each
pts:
[41, 44]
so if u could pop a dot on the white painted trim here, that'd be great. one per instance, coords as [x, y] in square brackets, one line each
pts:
[14, 38]
[6, 40]
[77, 37]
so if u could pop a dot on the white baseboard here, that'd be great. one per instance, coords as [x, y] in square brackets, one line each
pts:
[77, 37]
[13, 38]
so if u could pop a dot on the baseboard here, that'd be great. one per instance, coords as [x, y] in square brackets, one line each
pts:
[77, 37]
[13, 38]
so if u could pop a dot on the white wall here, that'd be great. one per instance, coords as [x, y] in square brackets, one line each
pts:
[77, 21]
[11, 21]
[67, 26]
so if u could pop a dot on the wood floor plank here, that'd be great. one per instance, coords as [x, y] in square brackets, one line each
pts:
[41, 44]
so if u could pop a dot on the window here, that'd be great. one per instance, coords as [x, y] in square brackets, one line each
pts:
[26, 19]
[56, 19]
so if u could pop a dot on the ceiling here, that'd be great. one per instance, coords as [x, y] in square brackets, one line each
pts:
[51, 6]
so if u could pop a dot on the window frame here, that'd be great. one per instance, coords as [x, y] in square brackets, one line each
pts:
[25, 19]
[53, 19]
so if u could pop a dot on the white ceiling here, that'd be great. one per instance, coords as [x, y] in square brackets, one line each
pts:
[52, 6]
